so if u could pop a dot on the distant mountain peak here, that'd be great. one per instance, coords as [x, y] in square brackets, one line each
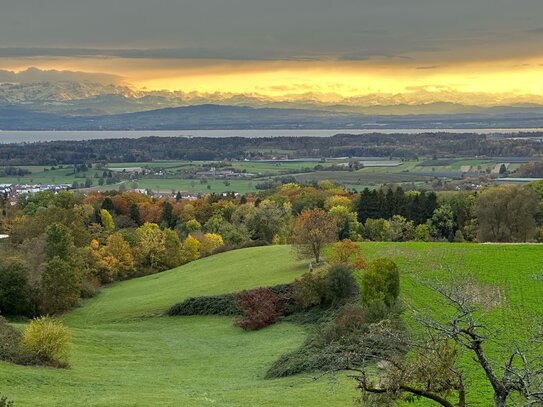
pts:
[85, 97]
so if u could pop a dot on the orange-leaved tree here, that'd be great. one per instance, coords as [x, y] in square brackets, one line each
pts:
[348, 252]
[313, 229]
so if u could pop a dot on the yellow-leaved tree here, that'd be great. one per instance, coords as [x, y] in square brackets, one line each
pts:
[190, 250]
[173, 249]
[122, 262]
[209, 243]
[150, 249]
[107, 221]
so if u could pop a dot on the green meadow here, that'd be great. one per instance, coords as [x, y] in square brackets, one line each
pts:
[127, 353]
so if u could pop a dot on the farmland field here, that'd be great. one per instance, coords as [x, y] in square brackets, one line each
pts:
[126, 353]
[181, 175]
[194, 186]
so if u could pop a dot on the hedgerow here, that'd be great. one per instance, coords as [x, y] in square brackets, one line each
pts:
[224, 304]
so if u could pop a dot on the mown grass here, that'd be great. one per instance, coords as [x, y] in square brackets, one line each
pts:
[126, 353]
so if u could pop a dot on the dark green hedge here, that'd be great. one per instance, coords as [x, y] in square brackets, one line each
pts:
[225, 304]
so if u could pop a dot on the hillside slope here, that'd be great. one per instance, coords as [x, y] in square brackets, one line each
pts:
[126, 353]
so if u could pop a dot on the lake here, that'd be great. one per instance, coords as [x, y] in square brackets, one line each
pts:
[9, 136]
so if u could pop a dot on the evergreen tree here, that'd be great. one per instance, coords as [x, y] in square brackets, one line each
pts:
[167, 219]
[134, 214]
[107, 204]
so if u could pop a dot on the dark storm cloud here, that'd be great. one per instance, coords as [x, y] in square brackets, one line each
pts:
[33, 75]
[164, 53]
[264, 29]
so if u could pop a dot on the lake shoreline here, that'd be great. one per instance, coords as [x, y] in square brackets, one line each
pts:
[33, 136]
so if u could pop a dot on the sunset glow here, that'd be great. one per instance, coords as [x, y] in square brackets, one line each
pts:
[330, 79]
[486, 52]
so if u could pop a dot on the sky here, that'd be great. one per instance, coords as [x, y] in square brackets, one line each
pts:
[279, 47]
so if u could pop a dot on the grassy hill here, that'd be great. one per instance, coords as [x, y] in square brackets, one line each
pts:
[126, 353]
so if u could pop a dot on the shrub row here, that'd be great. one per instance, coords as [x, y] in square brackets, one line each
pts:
[345, 341]
[226, 304]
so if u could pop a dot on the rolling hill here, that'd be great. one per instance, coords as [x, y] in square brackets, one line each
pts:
[229, 117]
[127, 353]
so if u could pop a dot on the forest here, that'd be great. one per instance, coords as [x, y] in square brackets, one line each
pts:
[404, 146]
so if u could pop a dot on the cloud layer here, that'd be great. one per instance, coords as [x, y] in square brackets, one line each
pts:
[350, 47]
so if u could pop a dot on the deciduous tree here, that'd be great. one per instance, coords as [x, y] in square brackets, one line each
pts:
[313, 229]
[506, 214]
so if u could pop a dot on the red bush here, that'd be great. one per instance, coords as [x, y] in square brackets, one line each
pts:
[259, 308]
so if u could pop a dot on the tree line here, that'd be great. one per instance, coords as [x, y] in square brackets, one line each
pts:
[406, 146]
[64, 246]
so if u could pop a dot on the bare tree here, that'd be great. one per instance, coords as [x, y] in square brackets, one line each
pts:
[385, 376]
[432, 372]
[516, 374]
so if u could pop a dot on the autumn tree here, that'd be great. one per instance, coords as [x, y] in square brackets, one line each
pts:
[209, 243]
[313, 229]
[106, 220]
[532, 169]
[506, 214]
[348, 253]
[121, 260]
[172, 249]
[191, 226]
[190, 250]
[346, 221]
[149, 212]
[150, 249]
[270, 219]
[338, 200]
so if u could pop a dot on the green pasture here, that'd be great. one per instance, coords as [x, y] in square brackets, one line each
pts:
[127, 353]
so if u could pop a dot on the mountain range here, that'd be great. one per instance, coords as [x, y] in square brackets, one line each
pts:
[92, 103]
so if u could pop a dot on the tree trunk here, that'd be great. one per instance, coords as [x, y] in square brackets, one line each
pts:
[316, 253]
[500, 400]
